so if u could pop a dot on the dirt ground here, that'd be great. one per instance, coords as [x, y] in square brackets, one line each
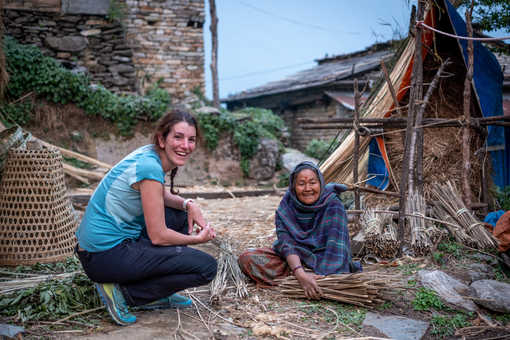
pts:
[265, 313]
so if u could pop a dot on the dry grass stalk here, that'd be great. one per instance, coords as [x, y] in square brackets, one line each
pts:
[228, 269]
[360, 289]
[474, 233]
[11, 285]
[388, 244]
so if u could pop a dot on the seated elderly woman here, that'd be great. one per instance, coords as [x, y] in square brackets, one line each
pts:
[311, 226]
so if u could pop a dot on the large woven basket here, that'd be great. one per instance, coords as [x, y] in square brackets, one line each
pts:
[37, 221]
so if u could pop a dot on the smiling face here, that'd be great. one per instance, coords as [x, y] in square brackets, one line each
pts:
[178, 145]
[307, 186]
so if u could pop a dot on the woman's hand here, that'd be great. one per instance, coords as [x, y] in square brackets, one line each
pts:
[309, 284]
[195, 216]
[206, 234]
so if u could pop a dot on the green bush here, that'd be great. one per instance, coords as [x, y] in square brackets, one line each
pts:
[17, 113]
[321, 149]
[31, 71]
[248, 126]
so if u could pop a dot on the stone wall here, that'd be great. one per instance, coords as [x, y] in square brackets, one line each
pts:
[300, 137]
[156, 40]
[167, 41]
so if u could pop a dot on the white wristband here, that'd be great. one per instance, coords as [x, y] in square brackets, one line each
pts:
[185, 204]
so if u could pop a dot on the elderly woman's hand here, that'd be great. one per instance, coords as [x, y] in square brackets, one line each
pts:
[309, 284]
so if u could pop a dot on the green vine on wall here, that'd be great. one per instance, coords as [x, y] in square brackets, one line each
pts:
[31, 71]
[248, 126]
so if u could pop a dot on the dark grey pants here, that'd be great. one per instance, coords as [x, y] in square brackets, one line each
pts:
[145, 272]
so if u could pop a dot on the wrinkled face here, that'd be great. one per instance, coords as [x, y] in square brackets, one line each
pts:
[307, 186]
[178, 145]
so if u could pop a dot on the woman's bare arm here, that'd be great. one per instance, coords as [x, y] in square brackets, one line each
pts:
[153, 201]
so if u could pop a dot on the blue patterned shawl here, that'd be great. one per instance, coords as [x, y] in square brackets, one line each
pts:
[317, 233]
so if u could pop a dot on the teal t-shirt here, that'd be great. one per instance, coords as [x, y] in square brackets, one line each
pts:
[114, 212]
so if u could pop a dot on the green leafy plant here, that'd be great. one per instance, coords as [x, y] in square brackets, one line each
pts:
[321, 149]
[408, 268]
[503, 198]
[31, 71]
[17, 113]
[427, 299]
[51, 299]
[248, 126]
[117, 11]
[444, 326]
[451, 248]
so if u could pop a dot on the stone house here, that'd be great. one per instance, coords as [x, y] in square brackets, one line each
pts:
[126, 45]
[323, 91]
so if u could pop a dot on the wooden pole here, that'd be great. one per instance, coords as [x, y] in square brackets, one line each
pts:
[214, 53]
[466, 136]
[406, 164]
[357, 97]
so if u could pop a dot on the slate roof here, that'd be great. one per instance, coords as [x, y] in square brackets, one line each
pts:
[320, 75]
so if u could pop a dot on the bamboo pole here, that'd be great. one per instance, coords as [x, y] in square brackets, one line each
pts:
[466, 136]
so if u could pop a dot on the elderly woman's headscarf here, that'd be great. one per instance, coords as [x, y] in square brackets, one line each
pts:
[317, 233]
[325, 190]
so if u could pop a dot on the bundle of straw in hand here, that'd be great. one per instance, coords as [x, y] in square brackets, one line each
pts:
[473, 232]
[361, 289]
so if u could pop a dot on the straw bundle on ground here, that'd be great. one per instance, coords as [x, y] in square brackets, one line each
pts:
[380, 234]
[361, 289]
[474, 233]
[420, 242]
[228, 269]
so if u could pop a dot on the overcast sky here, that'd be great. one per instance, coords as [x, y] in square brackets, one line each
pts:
[265, 40]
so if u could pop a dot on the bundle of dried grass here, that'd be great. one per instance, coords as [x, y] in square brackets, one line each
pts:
[473, 232]
[361, 289]
[420, 241]
[389, 243]
[228, 269]
[380, 233]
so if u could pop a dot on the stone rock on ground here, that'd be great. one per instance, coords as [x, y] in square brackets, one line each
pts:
[292, 157]
[480, 271]
[263, 163]
[448, 288]
[495, 295]
[397, 327]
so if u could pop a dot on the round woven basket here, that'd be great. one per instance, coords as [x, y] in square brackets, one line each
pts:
[37, 221]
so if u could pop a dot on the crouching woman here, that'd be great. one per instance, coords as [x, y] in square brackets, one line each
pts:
[134, 235]
[311, 229]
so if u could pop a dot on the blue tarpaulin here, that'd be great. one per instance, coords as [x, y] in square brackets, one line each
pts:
[487, 83]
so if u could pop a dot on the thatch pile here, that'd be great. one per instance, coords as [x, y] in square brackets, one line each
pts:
[361, 289]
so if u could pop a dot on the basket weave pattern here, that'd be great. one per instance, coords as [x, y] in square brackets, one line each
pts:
[37, 222]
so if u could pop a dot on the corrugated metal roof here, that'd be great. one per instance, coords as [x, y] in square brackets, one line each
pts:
[316, 76]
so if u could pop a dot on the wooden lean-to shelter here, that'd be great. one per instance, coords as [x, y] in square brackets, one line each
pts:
[381, 156]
